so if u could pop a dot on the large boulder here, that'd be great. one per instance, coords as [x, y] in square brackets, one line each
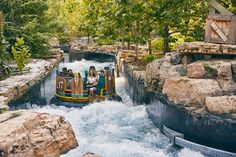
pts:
[221, 105]
[31, 134]
[190, 92]
[161, 69]
[221, 69]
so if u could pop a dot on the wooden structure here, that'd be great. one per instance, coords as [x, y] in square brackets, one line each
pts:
[220, 37]
[220, 29]
[220, 25]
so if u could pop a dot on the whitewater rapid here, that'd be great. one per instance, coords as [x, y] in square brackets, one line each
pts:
[114, 129]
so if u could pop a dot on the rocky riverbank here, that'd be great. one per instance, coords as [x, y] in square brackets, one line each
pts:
[193, 106]
[14, 87]
[206, 85]
[31, 134]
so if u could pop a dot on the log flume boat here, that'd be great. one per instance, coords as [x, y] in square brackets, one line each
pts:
[75, 90]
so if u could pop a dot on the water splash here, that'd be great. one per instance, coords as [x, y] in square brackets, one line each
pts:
[83, 65]
[114, 129]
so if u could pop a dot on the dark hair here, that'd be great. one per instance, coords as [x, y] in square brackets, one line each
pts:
[64, 69]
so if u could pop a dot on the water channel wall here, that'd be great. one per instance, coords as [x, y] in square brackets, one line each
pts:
[204, 129]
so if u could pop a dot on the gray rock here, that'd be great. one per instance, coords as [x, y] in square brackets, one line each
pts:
[190, 92]
[224, 72]
[221, 105]
[161, 69]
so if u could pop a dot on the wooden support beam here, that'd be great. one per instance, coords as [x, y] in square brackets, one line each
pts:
[217, 6]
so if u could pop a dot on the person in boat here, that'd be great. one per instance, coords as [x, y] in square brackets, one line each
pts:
[92, 81]
[63, 73]
[69, 77]
[101, 81]
[70, 73]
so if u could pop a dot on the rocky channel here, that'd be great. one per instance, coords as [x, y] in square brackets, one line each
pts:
[192, 99]
[14, 87]
[196, 84]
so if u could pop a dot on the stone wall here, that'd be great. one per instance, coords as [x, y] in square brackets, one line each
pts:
[207, 48]
[14, 87]
[193, 107]
[196, 84]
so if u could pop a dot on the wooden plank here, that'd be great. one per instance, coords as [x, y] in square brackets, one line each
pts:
[219, 32]
[212, 10]
[222, 10]
[219, 17]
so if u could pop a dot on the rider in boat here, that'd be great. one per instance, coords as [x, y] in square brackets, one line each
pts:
[92, 81]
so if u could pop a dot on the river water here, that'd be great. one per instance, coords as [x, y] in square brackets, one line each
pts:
[109, 129]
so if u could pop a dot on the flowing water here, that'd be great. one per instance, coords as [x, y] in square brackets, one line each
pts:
[109, 129]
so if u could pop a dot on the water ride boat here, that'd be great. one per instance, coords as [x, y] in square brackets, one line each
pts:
[92, 86]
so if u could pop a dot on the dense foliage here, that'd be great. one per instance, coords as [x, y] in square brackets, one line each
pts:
[138, 21]
[106, 21]
[28, 19]
[4, 70]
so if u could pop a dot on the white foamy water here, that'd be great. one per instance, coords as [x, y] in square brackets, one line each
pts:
[83, 65]
[114, 129]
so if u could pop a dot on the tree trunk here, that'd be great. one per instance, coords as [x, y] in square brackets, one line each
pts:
[149, 47]
[166, 40]
[136, 50]
[88, 39]
[123, 45]
[137, 35]
[128, 45]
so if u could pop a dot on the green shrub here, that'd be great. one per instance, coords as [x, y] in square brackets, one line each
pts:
[150, 58]
[20, 53]
[157, 45]
[5, 72]
[64, 39]
[104, 41]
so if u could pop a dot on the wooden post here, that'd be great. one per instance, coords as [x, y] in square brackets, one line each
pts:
[216, 6]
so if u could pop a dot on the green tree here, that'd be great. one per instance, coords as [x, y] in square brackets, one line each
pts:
[229, 4]
[21, 53]
[180, 16]
[29, 19]
[3, 43]
[4, 70]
